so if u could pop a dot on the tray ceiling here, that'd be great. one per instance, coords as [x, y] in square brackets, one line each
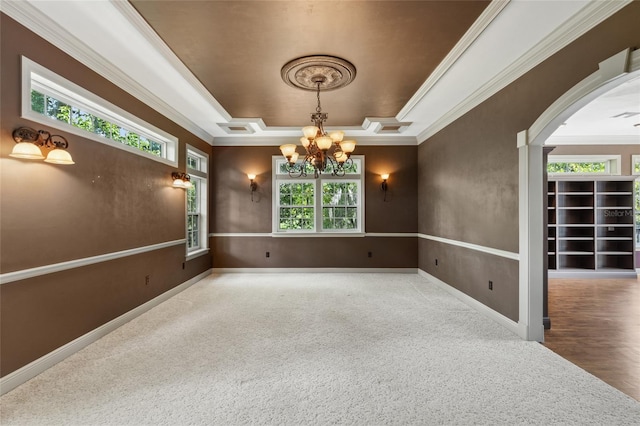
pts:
[214, 66]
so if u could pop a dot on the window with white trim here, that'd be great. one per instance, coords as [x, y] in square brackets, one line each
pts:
[583, 165]
[54, 101]
[635, 164]
[197, 201]
[328, 204]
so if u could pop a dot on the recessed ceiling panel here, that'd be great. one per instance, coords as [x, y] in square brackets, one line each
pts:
[238, 48]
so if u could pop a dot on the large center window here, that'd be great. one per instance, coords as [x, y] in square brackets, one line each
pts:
[327, 204]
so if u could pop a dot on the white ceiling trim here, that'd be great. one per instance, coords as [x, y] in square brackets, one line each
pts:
[47, 27]
[483, 21]
[593, 140]
[277, 141]
[587, 18]
[135, 19]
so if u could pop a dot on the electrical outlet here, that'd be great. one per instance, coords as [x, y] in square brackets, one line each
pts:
[147, 279]
[267, 254]
[370, 254]
[490, 285]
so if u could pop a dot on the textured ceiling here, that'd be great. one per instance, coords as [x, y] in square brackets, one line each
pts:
[237, 48]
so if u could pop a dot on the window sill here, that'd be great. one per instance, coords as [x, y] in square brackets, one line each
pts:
[197, 253]
[317, 234]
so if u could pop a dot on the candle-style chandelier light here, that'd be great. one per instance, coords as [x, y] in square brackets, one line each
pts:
[323, 152]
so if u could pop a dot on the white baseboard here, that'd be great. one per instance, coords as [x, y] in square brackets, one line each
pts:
[478, 306]
[314, 270]
[29, 371]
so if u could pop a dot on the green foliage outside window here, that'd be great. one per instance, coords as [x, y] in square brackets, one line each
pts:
[636, 167]
[193, 162]
[340, 205]
[69, 114]
[296, 206]
[596, 167]
[350, 169]
[193, 217]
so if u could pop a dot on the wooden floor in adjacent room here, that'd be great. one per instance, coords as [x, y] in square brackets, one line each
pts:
[595, 323]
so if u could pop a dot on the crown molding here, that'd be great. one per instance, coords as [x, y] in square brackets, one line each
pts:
[138, 22]
[486, 17]
[587, 18]
[36, 21]
[277, 141]
[593, 140]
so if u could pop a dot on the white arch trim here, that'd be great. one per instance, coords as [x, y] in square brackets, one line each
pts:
[611, 72]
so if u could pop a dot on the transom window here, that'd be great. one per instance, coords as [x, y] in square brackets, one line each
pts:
[52, 100]
[327, 204]
[584, 165]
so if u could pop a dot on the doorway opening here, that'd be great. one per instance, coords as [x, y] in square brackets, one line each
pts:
[588, 226]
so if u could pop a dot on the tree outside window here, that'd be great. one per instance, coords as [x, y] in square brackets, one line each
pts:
[193, 215]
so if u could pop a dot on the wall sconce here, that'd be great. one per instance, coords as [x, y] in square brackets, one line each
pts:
[181, 180]
[253, 185]
[384, 185]
[29, 140]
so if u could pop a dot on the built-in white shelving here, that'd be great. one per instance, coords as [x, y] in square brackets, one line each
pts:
[591, 227]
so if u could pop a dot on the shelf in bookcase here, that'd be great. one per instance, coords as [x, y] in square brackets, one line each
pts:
[613, 208]
[575, 193]
[576, 253]
[615, 253]
[576, 208]
[616, 238]
[615, 193]
[576, 238]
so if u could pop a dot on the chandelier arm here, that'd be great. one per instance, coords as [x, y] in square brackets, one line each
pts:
[294, 170]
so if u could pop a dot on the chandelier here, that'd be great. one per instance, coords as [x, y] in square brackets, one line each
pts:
[323, 152]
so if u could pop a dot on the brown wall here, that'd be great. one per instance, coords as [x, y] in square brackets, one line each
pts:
[233, 212]
[624, 151]
[468, 172]
[470, 272]
[109, 201]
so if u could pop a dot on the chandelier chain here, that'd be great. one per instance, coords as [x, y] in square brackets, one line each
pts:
[318, 108]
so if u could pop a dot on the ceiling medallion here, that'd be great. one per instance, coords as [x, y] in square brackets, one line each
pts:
[324, 152]
[304, 73]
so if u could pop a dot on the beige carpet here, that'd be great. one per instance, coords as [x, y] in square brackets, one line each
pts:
[297, 349]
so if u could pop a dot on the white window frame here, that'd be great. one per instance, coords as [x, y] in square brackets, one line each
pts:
[43, 80]
[201, 176]
[276, 178]
[635, 159]
[612, 164]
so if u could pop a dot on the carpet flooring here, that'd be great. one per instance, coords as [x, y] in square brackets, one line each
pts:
[299, 349]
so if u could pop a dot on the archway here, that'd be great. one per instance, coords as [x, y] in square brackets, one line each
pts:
[612, 72]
